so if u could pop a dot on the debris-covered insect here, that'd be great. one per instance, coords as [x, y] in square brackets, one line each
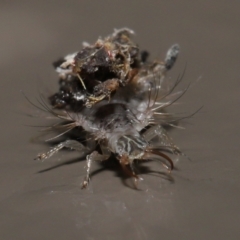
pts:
[119, 98]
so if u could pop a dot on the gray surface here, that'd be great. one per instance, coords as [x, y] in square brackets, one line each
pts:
[202, 203]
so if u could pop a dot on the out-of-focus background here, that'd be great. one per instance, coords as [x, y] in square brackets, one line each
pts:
[203, 200]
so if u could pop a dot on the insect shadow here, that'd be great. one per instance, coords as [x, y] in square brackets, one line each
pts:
[113, 165]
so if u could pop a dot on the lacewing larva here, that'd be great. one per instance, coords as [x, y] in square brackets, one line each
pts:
[119, 99]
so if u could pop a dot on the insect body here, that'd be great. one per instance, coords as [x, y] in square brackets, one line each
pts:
[119, 99]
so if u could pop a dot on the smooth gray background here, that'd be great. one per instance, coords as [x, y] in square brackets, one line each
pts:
[202, 203]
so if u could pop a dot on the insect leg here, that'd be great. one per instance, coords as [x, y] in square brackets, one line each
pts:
[94, 156]
[72, 144]
[163, 138]
[128, 167]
